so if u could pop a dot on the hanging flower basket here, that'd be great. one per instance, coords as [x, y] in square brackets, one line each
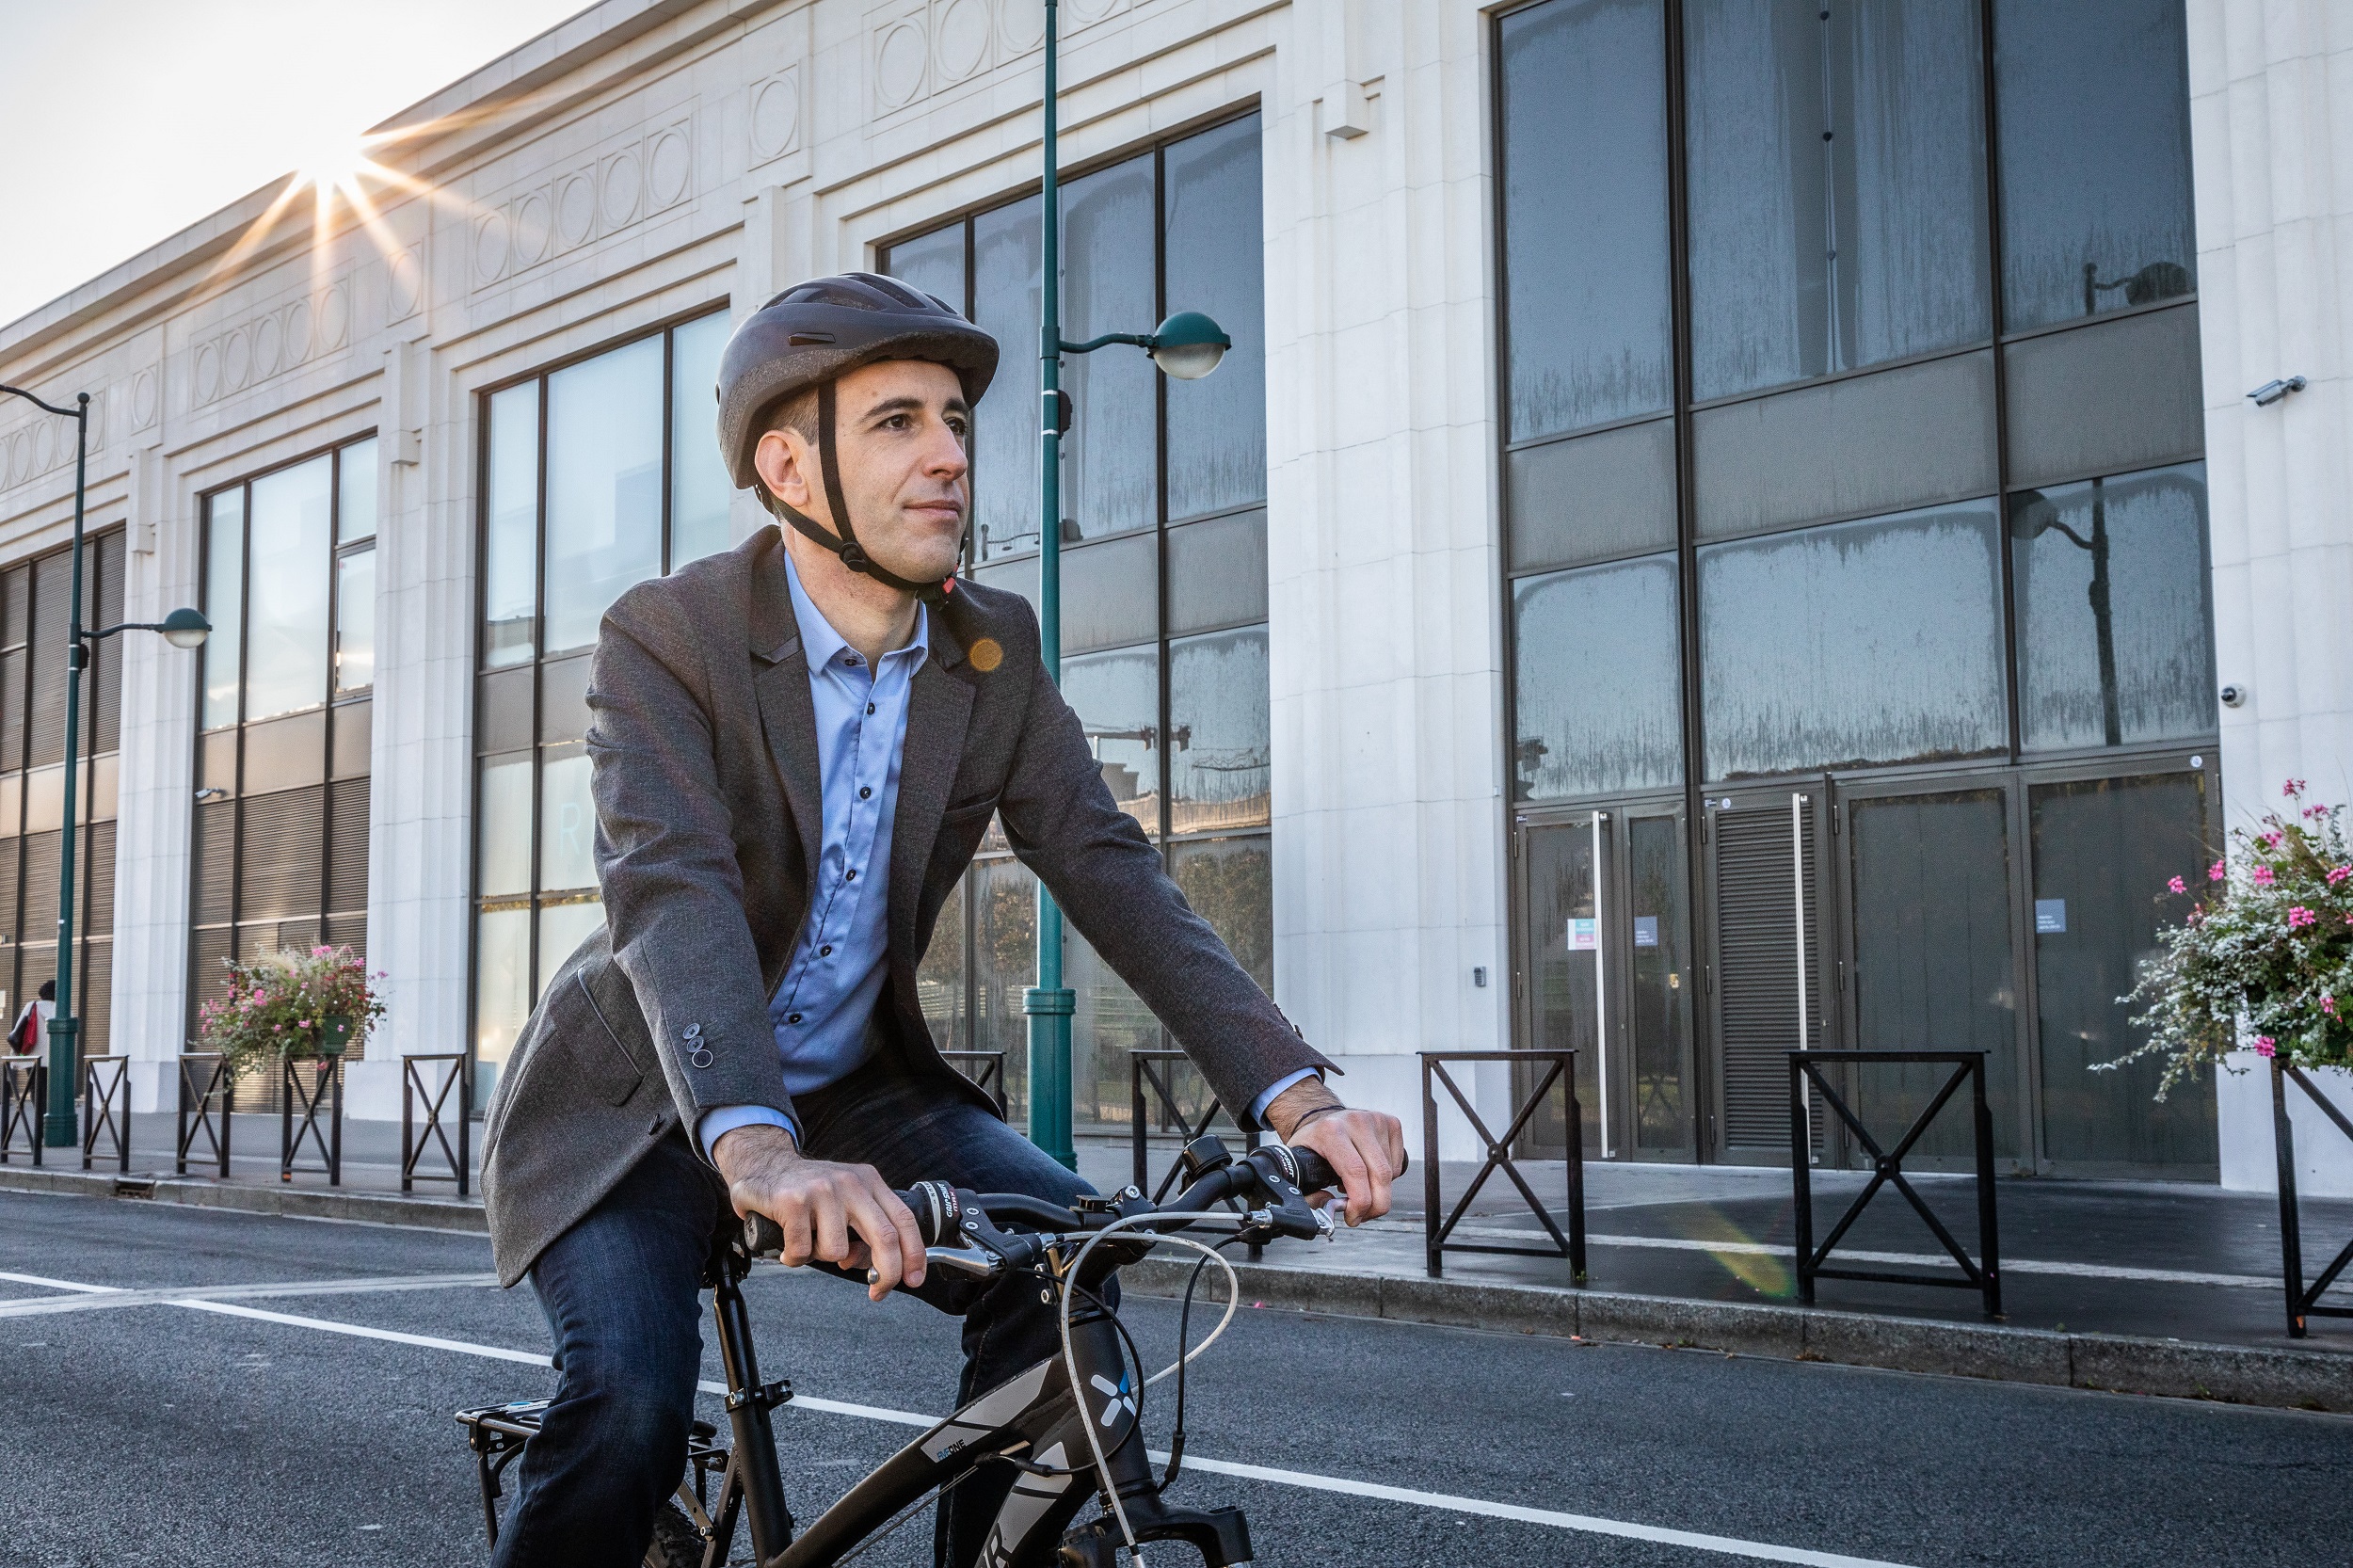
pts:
[289, 1006]
[2265, 959]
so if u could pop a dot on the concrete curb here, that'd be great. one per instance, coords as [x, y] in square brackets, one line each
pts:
[2238, 1374]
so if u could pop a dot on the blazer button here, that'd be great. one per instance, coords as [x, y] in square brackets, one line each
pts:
[655, 1130]
[692, 1032]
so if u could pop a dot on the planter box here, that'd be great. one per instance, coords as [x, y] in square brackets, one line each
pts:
[2323, 1155]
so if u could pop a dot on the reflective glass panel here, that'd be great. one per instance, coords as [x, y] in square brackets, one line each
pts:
[1586, 270]
[568, 822]
[1870, 642]
[286, 659]
[1215, 263]
[1004, 965]
[501, 980]
[700, 491]
[1597, 681]
[510, 555]
[355, 483]
[505, 828]
[1220, 734]
[355, 621]
[2103, 851]
[224, 604]
[562, 928]
[1663, 987]
[932, 263]
[1836, 186]
[1111, 1021]
[1565, 955]
[1230, 883]
[1005, 300]
[1117, 698]
[939, 978]
[2094, 113]
[604, 487]
[2115, 630]
[1933, 967]
[1110, 456]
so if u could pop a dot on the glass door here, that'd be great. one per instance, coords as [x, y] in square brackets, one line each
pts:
[1563, 979]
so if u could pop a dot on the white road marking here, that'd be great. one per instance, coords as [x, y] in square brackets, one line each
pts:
[100, 1299]
[1757, 1551]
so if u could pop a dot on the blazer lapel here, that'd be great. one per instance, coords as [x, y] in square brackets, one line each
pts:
[939, 709]
[787, 716]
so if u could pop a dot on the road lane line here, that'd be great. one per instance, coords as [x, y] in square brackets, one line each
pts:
[48, 1283]
[1757, 1551]
[110, 1299]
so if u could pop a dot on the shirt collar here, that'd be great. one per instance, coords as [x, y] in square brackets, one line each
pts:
[824, 645]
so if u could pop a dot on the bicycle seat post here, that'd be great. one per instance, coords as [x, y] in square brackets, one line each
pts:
[748, 1403]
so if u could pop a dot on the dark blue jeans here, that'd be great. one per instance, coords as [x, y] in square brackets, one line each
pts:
[622, 1294]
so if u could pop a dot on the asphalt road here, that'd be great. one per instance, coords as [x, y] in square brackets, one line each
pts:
[162, 1433]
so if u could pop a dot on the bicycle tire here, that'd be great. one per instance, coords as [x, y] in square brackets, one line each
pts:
[676, 1544]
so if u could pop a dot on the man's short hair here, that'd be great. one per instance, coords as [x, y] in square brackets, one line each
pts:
[797, 413]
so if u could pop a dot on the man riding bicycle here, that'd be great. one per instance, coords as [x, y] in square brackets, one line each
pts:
[797, 746]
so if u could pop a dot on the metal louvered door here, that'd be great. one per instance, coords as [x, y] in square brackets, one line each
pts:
[1768, 992]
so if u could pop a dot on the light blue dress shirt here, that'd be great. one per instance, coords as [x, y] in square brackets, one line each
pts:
[829, 989]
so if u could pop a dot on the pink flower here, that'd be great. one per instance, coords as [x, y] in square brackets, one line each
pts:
[2178, 886]
[2338, 873]
[2264, 877]
[2266, 1045]
[2292, 788]
[2268, 841]
[2298, 915]
[2327, 1005]
[2217, 872]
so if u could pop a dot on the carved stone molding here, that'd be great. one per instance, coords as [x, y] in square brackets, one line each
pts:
[270, 344]
[918, 48]
[628, 180]
[44, 443]
[774, 118]
[404, 283]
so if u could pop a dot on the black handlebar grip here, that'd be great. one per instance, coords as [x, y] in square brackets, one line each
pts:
[933, 1205]
[762, 1237]
[1316, 1173]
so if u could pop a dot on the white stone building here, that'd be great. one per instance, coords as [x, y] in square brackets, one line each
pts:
[1633, 586]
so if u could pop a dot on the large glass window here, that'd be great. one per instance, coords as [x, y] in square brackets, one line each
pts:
[2096, 212]
[1163, 533]
[596, 475]
[1599, 680]
[289, 672]
[34, 597]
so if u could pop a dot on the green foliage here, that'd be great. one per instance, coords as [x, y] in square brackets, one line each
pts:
[278, 1004]
[2268, 951]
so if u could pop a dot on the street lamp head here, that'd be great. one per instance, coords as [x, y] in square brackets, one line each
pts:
[1187, 345]
[186, 627]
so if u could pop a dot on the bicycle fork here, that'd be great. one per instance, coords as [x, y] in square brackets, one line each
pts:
[753, 1477]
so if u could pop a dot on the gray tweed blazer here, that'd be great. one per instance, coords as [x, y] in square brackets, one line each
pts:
[703, 740]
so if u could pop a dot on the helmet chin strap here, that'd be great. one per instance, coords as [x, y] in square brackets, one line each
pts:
[853, 554]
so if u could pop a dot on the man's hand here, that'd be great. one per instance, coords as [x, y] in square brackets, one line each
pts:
[844, 1214]
[1365, 1147]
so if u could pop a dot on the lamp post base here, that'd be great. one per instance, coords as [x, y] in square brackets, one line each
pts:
[1050, 1012]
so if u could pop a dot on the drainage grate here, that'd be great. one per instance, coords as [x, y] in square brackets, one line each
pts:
[134, 1187]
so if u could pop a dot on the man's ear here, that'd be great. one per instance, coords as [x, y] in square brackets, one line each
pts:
[782, 461]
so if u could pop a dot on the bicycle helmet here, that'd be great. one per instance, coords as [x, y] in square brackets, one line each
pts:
[812, 335]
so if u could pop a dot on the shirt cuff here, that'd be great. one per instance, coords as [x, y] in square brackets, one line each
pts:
[726, 1118]
[1257, 1106]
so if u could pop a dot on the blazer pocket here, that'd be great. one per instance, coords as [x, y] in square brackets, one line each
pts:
[605, 1064]
[971, 810]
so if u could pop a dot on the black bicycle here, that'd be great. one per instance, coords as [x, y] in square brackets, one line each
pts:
[1072, 1418]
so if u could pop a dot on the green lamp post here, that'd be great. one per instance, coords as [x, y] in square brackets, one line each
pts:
[1187, 345]
[183, 628]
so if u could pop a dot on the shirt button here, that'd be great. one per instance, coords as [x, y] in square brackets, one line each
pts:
[794, 1019]
[849, 876]
[870, 707]
[825, 951]
[864, 791]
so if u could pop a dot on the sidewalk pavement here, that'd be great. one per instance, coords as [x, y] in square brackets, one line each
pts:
[2163, 1287]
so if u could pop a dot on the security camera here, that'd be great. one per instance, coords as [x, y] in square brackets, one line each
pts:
[2271, 392]
[2233, 696]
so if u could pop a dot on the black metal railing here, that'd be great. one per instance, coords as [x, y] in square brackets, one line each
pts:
[1150, 1084]
[1982, 1274]
[1560, 1069]
[106, 1108]
[413, 1138]
[208, 1099]
[2303, 1300]
[23, 1105]
[298, 1118]
[985, 1068]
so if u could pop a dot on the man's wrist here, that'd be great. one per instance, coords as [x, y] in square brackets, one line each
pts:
[1292, 1106]
[753, 1140]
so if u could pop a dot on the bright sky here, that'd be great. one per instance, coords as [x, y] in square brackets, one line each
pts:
[130, 120]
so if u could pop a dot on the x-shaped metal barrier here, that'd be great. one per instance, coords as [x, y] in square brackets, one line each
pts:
[199, 1114]
[2303, 1300]
[325, 1094]
[1145, 1071]
[985, 1068]
[1983, 1273]
[1560, 1069]
[23, 1105]
[107, 1107]
[413, 1089]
